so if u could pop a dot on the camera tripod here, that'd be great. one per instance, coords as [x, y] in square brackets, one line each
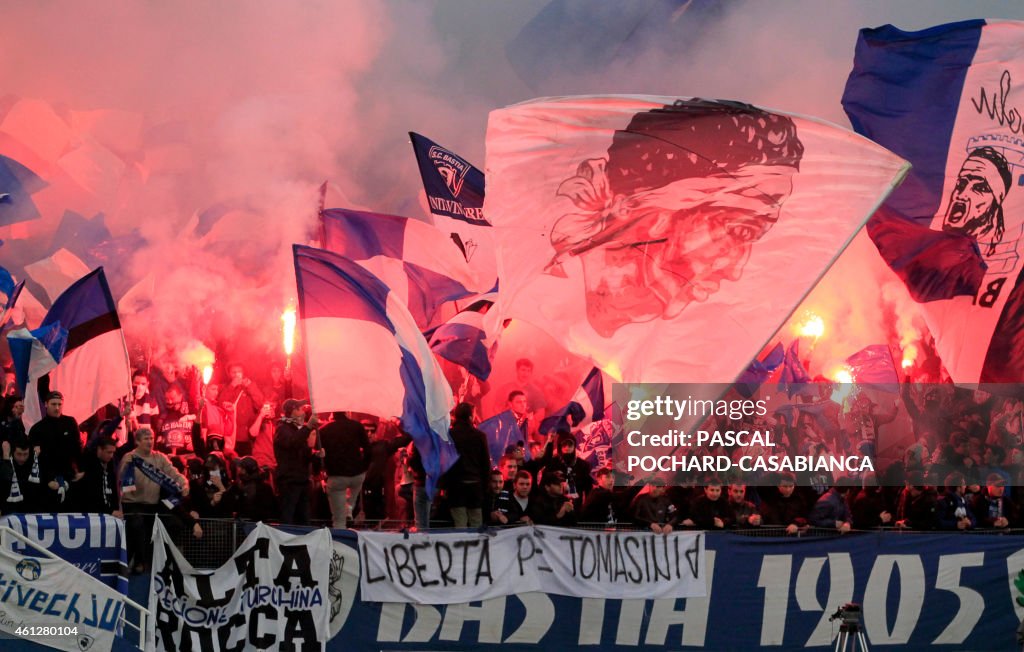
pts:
[851, 638]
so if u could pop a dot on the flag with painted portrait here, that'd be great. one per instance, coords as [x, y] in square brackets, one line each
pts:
[668, 239]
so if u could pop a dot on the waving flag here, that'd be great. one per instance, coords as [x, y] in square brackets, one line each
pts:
[56, 272]
[413, 258]
[365, 353]
[503, 430]
[35, 353]
[586, 405]
[794, 379]
[463, 339]
[95, 369]
[11, 301]
[455, 192]
[873, 365]
[17, 185]
[667, 240]
[944, 99]
[759, 370]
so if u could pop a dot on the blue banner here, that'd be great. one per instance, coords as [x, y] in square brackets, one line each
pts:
[93, 543]
[917, 591]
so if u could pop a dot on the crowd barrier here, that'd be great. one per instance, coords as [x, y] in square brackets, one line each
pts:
[918, 590]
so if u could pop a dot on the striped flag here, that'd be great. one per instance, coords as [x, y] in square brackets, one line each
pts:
[586, 405]
[413, 258]
[95, 369]
[464, 340]
[365, 353]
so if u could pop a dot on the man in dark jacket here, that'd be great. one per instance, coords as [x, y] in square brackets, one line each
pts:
[19, 483]
[550, 505]
[711, 511]
[251, 498]
[346, 458]
[831, 511]
[58, 444]
[953, 512]
[293, 442]
[788, 508]
[917, 506]
[655, 510]
[97, 490]
[513, 505]
[992, 507]
[464, 482]
[576, 470]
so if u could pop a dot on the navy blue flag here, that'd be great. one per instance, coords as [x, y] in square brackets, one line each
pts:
[455, 193]
[759, 370]
[17, 185]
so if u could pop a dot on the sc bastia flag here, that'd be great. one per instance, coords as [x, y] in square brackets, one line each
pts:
[947, 99]
[416, 260]
[365, 353]
[95, 370]
[455, 193]
[668, 239]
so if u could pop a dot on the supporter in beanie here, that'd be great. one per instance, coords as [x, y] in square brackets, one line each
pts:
[465, 479]
[576, 470]
[293, 441]
[654, 510]
[346, 459]
[550, 505]
[58, 445]
[993, 508]
[19, 478]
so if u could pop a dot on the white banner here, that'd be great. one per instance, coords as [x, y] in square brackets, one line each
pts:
[49, 602]
[272, 595]
[447, 568]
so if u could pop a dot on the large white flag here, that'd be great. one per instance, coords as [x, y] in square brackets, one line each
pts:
[666, 239]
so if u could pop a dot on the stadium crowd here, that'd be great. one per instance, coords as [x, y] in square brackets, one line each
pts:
[246, 450]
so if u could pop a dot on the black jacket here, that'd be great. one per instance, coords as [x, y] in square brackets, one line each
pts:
[292, 453]
[474, 461]
[92, 495]
[60, 447]
[543, 510]
[346, 447]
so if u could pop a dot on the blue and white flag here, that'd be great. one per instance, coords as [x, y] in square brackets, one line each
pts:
[455, 193]
[585, 406]
[504, 430]
[35, 353]
[794, 379]
[11, 292]
[365, 353]
[17, 185]
[95, 370]
[417, 261]
[463, 339]
[944, 98]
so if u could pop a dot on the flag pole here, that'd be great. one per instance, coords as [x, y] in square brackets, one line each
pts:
[320, 217]
[301, 316]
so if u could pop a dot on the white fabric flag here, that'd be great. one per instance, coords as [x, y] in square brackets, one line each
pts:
[667, 240]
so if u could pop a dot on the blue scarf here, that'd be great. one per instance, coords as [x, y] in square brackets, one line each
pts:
[167, 484]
